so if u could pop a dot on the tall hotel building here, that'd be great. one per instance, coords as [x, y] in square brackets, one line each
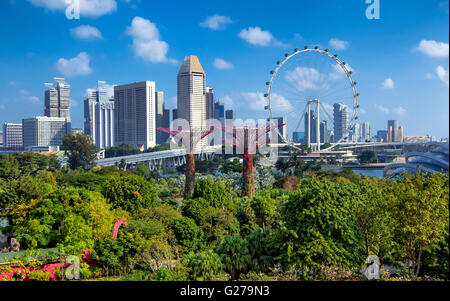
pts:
[192, 101]
[99, 116]
[135, 118]
[57, 101]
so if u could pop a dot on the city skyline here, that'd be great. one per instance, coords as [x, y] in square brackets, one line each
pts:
[396, 76]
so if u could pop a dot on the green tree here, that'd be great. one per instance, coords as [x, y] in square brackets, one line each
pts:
[130, 192]
[373, 216]
[216, 193]
[234, 255]
[319, 214]
[420, 208]
[187, 233]
[264, 207]
[80, 151]
[260, 251]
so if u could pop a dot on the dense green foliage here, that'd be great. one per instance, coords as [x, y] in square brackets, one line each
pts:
[130, 192]
[309, 224]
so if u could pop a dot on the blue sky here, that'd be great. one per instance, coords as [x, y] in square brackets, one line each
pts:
[401, 61]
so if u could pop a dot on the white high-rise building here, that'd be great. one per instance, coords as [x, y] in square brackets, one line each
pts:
[134, 114]
[340, 121]
[192, 101]
[99, 116]
[365, 132]
[43, 132]
[12, 135]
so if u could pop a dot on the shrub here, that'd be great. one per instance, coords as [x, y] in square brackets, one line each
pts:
[217, 194]
[130, 192]
[187, 233]
[202, 266]
[234, 255]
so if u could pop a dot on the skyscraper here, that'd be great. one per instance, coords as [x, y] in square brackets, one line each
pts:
[162, 118]
[340, 121]
[357, 133]
[313, 127]
[12, 135]
[99, 116]
[282, 129]
[134, 114]
[219, 111]
[382, 136]
[174, 114]
[365, 132]
[230, 115]
[298, 137]
[191, 101]
[57, 101]
[210, 102]
[324, 134]
[395, 133]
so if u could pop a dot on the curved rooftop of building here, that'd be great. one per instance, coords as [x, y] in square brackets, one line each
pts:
[434, 161]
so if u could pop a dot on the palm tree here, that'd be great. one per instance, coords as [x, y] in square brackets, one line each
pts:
[234, 255]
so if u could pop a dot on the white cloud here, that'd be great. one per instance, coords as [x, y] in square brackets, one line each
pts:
[442, 73]
[258, 37]
[257, 102]
[221, 64]
[88, 8]
[86, 32]
[382, 109]
[429, 75]
[339, 73]
[25, 96]
[338, 44]
[228, 102]
[304, 78]
[76, 66]
[433, 48]
[400, 111]
[146, 42]
[388, 83]
[216, 22]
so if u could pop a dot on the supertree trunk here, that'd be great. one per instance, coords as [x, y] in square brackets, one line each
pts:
[190, 176]
[248, 177]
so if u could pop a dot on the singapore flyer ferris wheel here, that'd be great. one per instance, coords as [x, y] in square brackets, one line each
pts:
[314, 93]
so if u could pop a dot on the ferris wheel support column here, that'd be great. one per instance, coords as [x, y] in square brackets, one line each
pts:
[309, 124]
[318, 125]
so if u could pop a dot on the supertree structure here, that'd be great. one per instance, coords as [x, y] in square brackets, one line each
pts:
[247, 141]
[189, 139]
